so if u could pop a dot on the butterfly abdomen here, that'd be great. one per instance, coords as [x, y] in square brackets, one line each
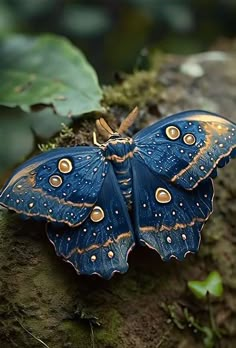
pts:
[119, 152]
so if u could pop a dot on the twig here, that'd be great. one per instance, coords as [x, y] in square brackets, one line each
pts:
[36, 338]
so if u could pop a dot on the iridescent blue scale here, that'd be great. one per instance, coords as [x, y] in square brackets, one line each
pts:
[162, 177]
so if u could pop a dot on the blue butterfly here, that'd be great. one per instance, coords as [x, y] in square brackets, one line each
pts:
[154, 189]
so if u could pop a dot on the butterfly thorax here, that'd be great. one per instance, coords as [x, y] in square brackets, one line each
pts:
[119, 151]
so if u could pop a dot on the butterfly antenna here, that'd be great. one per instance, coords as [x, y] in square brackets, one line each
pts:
[103, 128]
[128, 121]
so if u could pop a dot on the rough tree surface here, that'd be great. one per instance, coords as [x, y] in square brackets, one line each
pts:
[145, 307]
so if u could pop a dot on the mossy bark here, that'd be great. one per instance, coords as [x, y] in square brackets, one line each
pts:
[145, 307]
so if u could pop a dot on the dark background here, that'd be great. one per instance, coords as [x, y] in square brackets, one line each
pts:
[114, 33]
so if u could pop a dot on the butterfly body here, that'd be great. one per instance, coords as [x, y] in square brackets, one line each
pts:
[155, 189]
[120, 151]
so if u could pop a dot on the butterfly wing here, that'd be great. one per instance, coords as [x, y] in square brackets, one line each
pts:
[100, 247]
[187, 147]
[168, 218]
[61, 185]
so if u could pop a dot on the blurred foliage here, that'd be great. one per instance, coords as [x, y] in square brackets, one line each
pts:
[39, 72]
[47, 70]
[19, 131]
[112, 32]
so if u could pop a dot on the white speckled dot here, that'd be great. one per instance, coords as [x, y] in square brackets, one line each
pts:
[169, 240]
[93, 258]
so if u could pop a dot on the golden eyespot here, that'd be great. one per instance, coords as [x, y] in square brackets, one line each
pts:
[110, 254]
[162, 195]
[172, 132]
[55, 180]
[97, 214]
[189, 139]
[65, 166]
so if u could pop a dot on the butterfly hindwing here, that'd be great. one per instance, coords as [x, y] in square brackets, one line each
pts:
[187, 147]
[168, 218]
[98, 247]
[61, 185]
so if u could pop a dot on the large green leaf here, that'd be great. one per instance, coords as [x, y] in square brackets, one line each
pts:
[47, 70]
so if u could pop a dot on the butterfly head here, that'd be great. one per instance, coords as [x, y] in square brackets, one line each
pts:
[117, 147]
[115, 137]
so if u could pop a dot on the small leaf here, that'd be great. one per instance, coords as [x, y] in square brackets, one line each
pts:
[212, 285]
[17, 133]
[47, 70]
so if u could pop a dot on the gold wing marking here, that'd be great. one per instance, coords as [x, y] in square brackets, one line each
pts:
[177, 226]
[110, 241]
[23, 172]
[48, 217]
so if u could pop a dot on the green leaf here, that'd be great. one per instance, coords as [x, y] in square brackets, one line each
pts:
[212, 285]
[47, 70]
[17, 133]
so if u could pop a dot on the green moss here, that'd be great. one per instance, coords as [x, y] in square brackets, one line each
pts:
[78, 335]
[136, 90]
[108, 334]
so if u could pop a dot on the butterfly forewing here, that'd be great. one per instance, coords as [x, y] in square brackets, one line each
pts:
[186, 147]
[61, 185]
